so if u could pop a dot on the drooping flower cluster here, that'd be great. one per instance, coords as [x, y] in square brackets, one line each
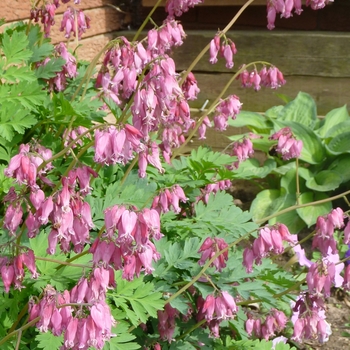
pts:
[271, 77]
[288, 146]
[215, 310]
[114, 146]
[309, 319]
[86, 324]
[227, 108]
[209, 248]
[166, 322]
[242, 150]
[73, 20]
[126, 244]
[12, 269]
[325, 226]
[213, 188]
[24, 166]
[285, 8]
[275, 322]
[206, 123]
[190, 87]
[178, 7]
[270, 240]
[46, 13]
[169, 199]
[323, 275]
[227, 50]
[75, 134]
[159, 101]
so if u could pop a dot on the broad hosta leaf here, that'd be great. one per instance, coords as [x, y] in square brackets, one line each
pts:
[291, 218]
[342, 167]
[340, 144]
[313, 151]
[14, 47]
[333, 118]
[266, 203]
[311, 213]
[302, 110]
[251, 169]
[325, 180]
[336, 130]
[253, 120]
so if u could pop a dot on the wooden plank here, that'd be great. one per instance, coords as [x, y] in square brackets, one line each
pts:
[294, 53]
[151, 3]
[329, 93]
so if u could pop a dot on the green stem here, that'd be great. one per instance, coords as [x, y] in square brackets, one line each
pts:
[205, 267]
[129, 169]
[221, 33]
[294, 207]
[70, 145]
[212, 107]
[197, 325]
[19, 330]
[297, 180]
[143, 25]
[59, 262]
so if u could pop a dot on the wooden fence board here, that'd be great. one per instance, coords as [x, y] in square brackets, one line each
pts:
[328, 93]
[294, 53]
[151, 3]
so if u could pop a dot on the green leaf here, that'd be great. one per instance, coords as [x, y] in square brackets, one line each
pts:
[342, 167]
[144, 301]
[325, 180]
[134, 191]
[313, 151]
[266, 203]
[339, 144]
[332, 119]
[302, 110]
[273, 112]
[254, 121]
[311, 213]
[14, 120]
[14, 47]
[250, 169]
[336, 130]
[25, 93]
[50, 69]
[14, 74]
[48, 341]
[123, 340]
[291, 218]
[221, 215]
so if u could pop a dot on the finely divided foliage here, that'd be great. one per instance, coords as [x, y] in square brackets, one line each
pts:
[111, 239]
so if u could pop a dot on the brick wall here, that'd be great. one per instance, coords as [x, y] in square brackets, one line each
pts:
[105, 22]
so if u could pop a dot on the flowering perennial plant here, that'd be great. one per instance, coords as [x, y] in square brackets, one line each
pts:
[126, 242]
